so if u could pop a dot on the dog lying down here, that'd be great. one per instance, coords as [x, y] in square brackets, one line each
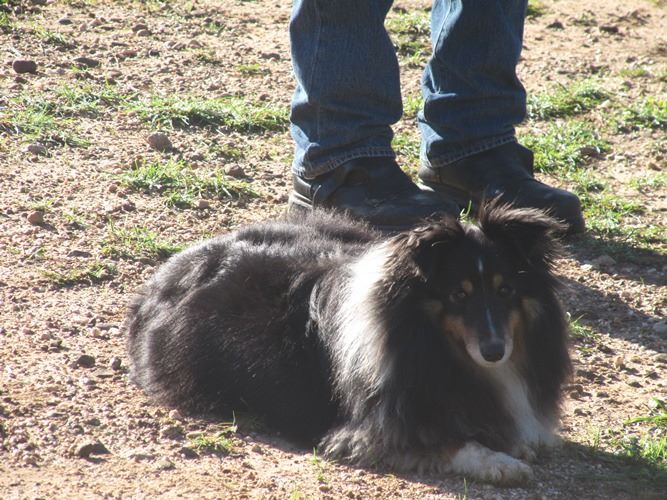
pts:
[442, 349]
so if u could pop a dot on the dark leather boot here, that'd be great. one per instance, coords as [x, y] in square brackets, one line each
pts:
[505, 172]
[375, 190]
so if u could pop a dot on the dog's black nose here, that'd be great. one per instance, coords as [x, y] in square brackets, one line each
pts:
[492, 351]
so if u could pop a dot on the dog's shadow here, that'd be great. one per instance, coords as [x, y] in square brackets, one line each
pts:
[574, 470]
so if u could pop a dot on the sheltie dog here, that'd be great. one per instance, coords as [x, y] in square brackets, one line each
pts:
[439, 349]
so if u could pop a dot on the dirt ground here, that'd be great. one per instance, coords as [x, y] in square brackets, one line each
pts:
[74, 247]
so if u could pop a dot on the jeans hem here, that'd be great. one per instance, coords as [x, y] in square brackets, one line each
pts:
[312, 171]
[479, 147]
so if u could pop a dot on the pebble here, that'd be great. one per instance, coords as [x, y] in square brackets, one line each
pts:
[603, 261]
[203, 204]
[172, 432]
[139, 27]
[24, 66]
[87, 62]
[188, 452]
[143, 33]
[64, 20]
[115, 363]
[164, 464]
[234, 171]
[37, 149]
[159, 141]
[85, 361]
[660, 328]
[88, 448]
[36, 218]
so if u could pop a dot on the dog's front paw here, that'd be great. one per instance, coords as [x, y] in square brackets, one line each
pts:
[481, 463]
[524, 452]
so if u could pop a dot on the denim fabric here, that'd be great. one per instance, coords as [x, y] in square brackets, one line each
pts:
[348, 87]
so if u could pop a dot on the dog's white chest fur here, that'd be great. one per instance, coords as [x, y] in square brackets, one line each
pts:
[533, 431]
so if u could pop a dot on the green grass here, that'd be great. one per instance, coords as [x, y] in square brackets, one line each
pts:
[136, 243]
[320, 468]
[90, 274]
[6, 22]
[233, 113]
[87, 99]
[207, 56]
[535, 9]
[634, 72]
[410, 32]
[651, 113]
[651, 444]
[219, 443]
[181, 185]
[582, 332]
[37, 123]
[51, 37]
[569, 100]
[251, 69]
[565, 146]
[650, 182]
[412, 104]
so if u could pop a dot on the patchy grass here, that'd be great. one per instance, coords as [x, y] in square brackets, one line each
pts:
[35, 121]
[251, 69]
[535, 9]
[651, 443]
[6, 22]
[650, 182]
[569, 100]
[564, 146]
[181, 185]
[51, 37]
[410, 31]
[637, 72]
[651, 113]
[320, 468]
[412, 104]
[87, 99]
[232, 113]
[207, 56]
[219, 443]
[91, 274]
[136, 243]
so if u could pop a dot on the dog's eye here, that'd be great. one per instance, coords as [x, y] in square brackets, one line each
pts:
[458, 296]
[505, 291]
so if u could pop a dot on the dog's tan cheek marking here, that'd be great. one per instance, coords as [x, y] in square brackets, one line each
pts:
[454, 326]
[497, 281]
[517, 332]
[467, 287]
[531, 308]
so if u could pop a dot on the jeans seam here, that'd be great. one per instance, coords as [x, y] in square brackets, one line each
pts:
[333, 163]
[444, 160]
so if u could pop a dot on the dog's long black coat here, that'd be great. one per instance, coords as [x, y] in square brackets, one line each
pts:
[259, 320]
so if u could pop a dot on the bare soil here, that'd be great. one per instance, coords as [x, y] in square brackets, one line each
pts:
[71, 423]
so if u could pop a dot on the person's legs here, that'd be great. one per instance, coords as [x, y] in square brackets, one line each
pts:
[472, 102]
[348, 90]
[347, 97]
[472, 96]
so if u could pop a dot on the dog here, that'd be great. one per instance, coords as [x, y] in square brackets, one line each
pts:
[442, 349]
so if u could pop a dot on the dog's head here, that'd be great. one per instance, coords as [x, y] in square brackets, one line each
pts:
[479, 281]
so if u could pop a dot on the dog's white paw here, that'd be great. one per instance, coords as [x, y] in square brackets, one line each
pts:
[524, 452]
[481, 463]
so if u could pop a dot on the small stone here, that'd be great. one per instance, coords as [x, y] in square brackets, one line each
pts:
[619, 362]
[159, 141]
[85, 361]
[603, 261]
[37, 149]
[87, 62]
[87, 449]
[586, 267]
[556, 25]
[36, 218]
[609, 28]
[234, 171]
[188, 452]
[79, 253]
[143, 33]
[64, 20]
[172, 432]
[24, 66]
[164, 464]
[660, 328]
[203, 204]
[139, 27]
[115, 363]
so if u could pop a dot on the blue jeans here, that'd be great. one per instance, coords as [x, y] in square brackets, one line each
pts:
[348, 88]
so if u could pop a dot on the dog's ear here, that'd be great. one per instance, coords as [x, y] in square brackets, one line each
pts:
[423, 246]
[530, 234]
